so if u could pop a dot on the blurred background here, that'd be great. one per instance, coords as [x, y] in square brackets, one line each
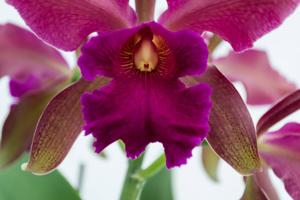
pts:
[103, 178]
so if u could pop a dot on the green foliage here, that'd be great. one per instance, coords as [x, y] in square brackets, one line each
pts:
[16, 184]
[158, 187]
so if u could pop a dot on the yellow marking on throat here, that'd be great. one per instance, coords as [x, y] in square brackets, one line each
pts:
[146, 57]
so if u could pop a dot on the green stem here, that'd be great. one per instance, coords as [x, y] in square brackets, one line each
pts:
[154, 168]
[132, 186]
[80, 176]
[145, 10]
[136, 177]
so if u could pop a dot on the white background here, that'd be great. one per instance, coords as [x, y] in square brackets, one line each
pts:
[103, 178]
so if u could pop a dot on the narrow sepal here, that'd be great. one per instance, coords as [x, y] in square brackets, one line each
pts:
[58, 127]
[280, 110]
[232, 134]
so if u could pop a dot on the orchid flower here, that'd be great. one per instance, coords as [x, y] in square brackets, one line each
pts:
[145, 101]
[36, 72]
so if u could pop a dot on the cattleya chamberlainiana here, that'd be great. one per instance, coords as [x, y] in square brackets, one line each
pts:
[147, 81]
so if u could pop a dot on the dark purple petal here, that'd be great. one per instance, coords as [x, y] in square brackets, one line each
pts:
[141, 106]
[281, 151]
[65, 24]
[30, 63]
[240, 22]
[280, 110]
[263, 84]
[187, 52]
[140, 113]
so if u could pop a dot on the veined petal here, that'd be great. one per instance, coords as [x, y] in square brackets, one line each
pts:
[232, 134]
[264, 85]
[65, 24]
[281, 150]
[145, 102]
[240, 22]
[58, 127]
[31, 64]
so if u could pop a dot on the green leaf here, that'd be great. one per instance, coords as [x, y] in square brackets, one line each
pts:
[158, 187]
[17, 184]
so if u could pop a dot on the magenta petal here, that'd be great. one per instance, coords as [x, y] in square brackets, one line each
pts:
[139, 106]
[65, 24]
[240, 22]
[140, 113]
[30, 63]
[281, 150]
[19, 86]
[101, 54]
[264, 85]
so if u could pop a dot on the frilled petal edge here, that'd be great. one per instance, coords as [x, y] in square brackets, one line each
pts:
[145, 102]
[140, 113]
